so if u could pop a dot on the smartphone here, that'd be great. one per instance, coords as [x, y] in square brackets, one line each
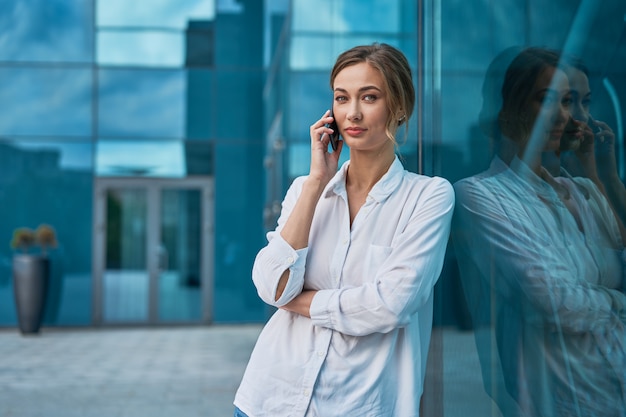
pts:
[592, 124]
[334, 137]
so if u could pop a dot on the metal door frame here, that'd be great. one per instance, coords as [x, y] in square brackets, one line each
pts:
[154, 186]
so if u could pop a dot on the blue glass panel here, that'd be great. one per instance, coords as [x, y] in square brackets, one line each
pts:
[136, 103]
[50, 182]
[126, 158]
[347, 16]
[484, 25]
[46, 30]
[536, 247]
[309, 52]
[239, 109]
[45, 101]
[141, 48]
[153, 14]
[200, 123]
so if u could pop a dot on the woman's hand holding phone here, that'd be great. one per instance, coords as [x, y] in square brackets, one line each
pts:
[334, 136]
[323, 164]
[605, 146]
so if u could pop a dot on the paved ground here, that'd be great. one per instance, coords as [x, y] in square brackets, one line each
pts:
[158, 372]
[191, 371]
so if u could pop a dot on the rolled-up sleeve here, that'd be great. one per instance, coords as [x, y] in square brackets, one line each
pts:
[278, 256]
[269, 265]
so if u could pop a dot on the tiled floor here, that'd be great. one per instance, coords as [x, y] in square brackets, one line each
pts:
[158, 372]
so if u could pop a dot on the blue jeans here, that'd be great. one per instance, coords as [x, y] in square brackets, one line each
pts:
[239, 413]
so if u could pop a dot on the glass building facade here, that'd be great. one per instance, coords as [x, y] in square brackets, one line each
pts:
[158, 138]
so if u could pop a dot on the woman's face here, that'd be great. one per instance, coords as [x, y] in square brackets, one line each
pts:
[549, 104]
[360, 107]
[580, 93]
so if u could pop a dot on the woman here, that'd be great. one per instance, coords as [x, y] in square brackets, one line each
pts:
[550, 254]
[594, 156]
[353, 261]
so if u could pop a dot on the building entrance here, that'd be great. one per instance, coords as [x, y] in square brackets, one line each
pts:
[153, 251]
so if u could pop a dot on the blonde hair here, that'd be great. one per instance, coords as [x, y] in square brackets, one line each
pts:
[398, 82]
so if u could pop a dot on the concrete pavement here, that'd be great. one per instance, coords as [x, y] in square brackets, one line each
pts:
[189, 371]
[175, 371]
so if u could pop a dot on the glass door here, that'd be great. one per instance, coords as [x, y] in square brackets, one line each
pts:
[153, 247]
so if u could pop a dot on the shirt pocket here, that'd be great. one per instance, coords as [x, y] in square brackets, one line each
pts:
[376, 256]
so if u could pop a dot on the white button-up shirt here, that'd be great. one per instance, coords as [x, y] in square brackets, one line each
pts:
[363, 351]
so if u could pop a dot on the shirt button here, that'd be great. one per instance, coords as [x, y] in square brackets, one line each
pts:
[320, 353]
[290, 260]
[306, 392]
[345, 241]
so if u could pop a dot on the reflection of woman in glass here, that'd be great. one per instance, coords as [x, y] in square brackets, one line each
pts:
[550, 252]
[593, 157]
[353, 261]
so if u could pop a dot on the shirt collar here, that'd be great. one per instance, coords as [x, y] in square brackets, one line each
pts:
[541, 187]
[381, 190]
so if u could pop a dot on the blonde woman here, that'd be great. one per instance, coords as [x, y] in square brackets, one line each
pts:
[352, 263]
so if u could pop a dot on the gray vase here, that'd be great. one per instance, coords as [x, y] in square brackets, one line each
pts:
[30, 282]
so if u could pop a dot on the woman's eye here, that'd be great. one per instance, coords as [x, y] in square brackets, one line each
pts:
[340, 98]
[369, 97]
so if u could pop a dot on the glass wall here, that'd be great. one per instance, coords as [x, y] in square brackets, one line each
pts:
[534, 277]
[46, 146]
[166, 93]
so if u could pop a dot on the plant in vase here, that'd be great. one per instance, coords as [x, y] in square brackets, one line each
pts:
[31, 270]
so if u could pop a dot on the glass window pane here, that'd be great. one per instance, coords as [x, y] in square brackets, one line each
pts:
[67, 157]
[50, 182]
[319, 52]
[140, 158]
[45, 101]
[125, 282]
[141, 48]
[345, 16]
[141, 104]
[536, 238]
[153, 14]
[46, 30]
[180, 256]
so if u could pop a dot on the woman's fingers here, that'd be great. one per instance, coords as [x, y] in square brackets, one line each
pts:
[320, 130]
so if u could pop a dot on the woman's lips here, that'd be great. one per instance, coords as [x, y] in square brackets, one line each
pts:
[354, 131]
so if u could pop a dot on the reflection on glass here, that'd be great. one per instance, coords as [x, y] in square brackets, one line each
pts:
[51, 182]
[143, 48]
[541, 252]
[180, 278]
[199, 158]
[140, 158]
[319, 52]
[45, 101]
[347, 16]
[153, 14]
[126, 281]
[46, 30]
[146, 103]
[66, 156]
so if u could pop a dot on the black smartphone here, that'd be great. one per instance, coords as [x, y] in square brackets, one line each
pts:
[592, 124]
[334, 137]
